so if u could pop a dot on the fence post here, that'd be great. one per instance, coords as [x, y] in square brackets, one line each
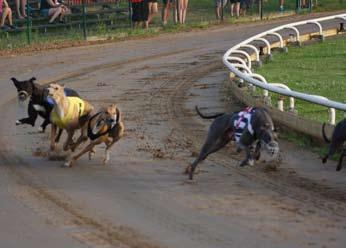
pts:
[261, 9]
[222, 14]
[297, 6]
[28, 26]
[84, 20]
[130, 14]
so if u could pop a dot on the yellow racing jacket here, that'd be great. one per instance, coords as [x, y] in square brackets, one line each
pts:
[73, 103]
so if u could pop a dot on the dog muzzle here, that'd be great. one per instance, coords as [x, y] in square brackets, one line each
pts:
[271, 149]
[22, 96]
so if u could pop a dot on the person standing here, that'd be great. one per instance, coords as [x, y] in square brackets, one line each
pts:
[152, 5]
[20, 8]
[140, 13]
[5, 13]
[235, 6]
[182, 8]
[165, 11]
[281, 3]
[219, 4]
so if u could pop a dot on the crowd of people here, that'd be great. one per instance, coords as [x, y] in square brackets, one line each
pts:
[143, 11]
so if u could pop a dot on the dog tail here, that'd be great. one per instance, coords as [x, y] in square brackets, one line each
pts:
[324, 133]
[207, 116]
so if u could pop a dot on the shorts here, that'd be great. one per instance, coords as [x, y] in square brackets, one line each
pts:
[219, 2]
[165, 1]
[152, 1]
[234, 1]
[44, 12]
[140, 11]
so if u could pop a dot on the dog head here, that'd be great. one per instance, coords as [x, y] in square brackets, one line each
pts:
[24, 88]
[268, 139]
[55, 91]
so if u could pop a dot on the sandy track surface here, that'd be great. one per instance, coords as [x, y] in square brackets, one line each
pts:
[141, 199]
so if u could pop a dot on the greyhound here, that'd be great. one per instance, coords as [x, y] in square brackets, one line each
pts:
[338, 139]
[38, 104]
[109, 129]
[257, 132]
[69, 113]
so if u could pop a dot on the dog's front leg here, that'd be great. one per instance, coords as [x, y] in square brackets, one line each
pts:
[248, 160]
[32, 116]
[52, 137]
[343, 153]
[69, 140]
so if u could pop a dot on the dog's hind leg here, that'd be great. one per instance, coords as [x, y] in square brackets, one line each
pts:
[343, 153]
[206, 150]
[43, 126]
[88, 148]
[331, 151]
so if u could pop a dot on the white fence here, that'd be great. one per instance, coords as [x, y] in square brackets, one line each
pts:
[241, 65]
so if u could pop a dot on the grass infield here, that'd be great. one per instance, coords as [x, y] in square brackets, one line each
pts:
[317, 69]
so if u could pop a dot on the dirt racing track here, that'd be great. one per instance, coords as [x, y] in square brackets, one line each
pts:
[141, 198]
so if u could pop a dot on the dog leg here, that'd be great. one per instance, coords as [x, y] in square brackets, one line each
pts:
[248, 160]
[43, 126]
[88, 148]
[92, 153]
[343, 153]
[331, 151]
[52, 137]
[69, 140]
[206, 150]
[58, 136]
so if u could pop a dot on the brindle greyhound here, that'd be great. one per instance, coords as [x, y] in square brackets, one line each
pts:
[109, 129]
[338, 139]
[69, 113]
[221, 132]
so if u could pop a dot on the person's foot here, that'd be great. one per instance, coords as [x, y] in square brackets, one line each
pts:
[20, 16]
[12, 27]
[281, 8]
[5, 28]
[164, 23]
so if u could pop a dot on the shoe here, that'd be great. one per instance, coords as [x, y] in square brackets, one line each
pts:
[281, 8]
[12, 27]
[5, 28]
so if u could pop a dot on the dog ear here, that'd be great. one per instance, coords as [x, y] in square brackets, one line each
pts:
[32, 79]
[15, 81]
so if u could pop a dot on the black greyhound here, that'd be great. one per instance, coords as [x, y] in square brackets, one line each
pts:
[224, 129]
[338, 139]
[38, 104]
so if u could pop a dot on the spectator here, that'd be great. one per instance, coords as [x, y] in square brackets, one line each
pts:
[152, 5]
[182, 5]
[281, 3]
[235, 4]
[244, 6]
[53, 9]
[219, 4]
[5, 13]
[140, 13]
[20, 4]
[165, 11]
[303, 4]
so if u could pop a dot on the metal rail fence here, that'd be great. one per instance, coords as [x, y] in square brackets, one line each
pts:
[89, 18]
[241, 57]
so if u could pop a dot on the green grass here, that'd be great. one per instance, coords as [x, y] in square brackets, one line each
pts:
[318, 69]
[200, 15]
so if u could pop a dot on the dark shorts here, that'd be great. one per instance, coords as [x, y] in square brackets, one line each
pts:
[165, 1]
[234, 1]
[152, 1]
[44, 12]
[140, 11]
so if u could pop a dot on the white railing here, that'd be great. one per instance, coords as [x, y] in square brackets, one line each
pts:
[241, 67]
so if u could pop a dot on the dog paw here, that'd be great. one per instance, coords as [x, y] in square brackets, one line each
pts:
[105, 161]
[187, 170]
[18, 122]
[91, 155]
[68, 164]
[40, 129]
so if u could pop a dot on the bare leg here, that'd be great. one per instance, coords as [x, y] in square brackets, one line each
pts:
[23, 4]
[54, 13]
[17, 2]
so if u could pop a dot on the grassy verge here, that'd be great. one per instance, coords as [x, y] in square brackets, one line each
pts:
[200, 15]
[317, 69]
